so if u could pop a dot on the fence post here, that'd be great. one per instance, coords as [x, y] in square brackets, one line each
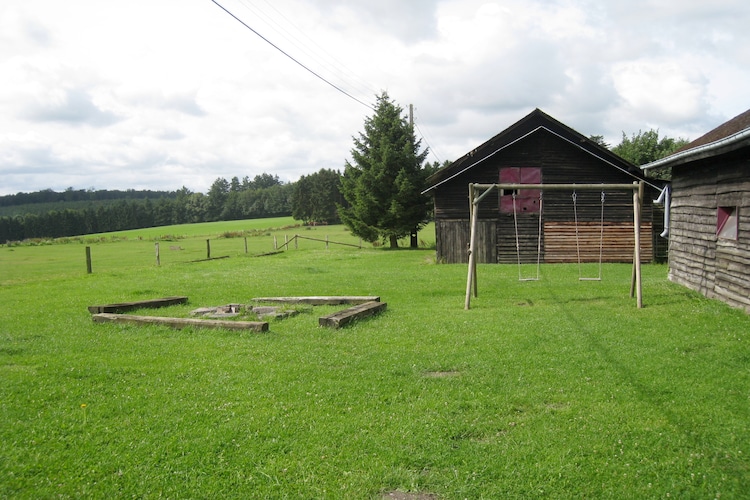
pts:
[286, 241]
[326, 242]
[158, 260]
[275, 243]
[245, 244]
[88, 260]
[208, 249]
[296, 242]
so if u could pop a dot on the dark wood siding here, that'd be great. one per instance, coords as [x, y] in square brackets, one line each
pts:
[698, 259]
[452, 241]
[560, 162]
[528, 239]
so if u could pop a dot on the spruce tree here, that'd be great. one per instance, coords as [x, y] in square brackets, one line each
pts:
[383, 182]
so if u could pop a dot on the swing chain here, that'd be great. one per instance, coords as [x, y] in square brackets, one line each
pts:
[518, 245]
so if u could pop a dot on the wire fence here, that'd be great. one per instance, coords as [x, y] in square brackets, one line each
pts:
[123, 254]
[295, 239]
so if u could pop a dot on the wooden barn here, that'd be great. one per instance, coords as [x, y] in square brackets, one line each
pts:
[709, 230]
[551, 226]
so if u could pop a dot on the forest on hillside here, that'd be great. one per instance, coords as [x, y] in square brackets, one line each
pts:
[45, 214]
[47, 199]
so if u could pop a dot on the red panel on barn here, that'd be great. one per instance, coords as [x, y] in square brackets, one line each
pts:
[527, 200]
[528, 204]
[510, 175]
[530, 175]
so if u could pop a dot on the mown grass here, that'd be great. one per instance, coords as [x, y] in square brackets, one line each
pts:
[555, 389]
[211, 229]
[179, 244]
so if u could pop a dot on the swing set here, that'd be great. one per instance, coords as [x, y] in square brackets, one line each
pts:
[477, 192]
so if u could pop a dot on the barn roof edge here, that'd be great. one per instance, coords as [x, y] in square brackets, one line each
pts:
[530, 124]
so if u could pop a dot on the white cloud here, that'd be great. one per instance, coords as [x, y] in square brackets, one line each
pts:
[72, 106]
[664, 92]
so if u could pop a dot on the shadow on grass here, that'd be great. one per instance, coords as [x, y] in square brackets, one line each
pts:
[651, 394]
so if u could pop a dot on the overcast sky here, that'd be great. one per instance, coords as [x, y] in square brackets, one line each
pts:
[160, 94]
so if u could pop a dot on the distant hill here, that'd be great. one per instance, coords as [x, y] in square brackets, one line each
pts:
[40, 202]
[50, 214]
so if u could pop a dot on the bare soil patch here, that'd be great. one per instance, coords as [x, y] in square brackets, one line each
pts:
[400, 495]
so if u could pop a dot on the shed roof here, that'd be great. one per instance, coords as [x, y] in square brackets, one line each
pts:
[535, 122]
[726, 129]
[727, 137]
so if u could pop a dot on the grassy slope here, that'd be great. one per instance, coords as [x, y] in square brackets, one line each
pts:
[554, 388]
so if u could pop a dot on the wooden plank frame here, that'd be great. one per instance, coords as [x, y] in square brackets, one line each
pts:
[477, 192]
[346, 316]
[320, 300]
[140, 304]
[254, 326]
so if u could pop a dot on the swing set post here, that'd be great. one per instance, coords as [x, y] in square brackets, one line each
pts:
[474, 201]
[471, 278]
[636, 285]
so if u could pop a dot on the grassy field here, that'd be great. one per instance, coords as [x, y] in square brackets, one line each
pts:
[555, 389]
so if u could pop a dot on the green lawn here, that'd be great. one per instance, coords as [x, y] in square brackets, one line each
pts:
[555, 389]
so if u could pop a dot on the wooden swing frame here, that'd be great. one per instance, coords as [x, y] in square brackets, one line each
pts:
[477, 192]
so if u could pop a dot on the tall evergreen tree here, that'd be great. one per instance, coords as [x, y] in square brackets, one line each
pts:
[383, 183]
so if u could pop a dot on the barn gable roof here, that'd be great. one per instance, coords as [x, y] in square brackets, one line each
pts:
[535, 122]
[727, 137]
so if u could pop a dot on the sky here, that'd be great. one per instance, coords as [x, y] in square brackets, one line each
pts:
[165, 94]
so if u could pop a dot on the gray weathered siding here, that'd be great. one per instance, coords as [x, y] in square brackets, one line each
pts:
[698, 259]
[452, 241]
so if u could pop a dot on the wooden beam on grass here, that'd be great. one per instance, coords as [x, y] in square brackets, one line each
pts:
[209, 259]
[319, 300]
[256, 326]
[346, 316]
[129, 306]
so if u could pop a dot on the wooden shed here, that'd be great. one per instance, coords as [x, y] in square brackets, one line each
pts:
[709, 230]
[552, 226]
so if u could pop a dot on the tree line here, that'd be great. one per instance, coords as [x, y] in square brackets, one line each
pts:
[313, 199]
[71, 195]
[263, 196]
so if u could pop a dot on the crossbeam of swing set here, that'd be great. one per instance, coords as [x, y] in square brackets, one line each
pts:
[636, 187]
[559, 187]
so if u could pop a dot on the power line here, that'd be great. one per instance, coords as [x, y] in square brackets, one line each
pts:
[310, 47]
[432, 150]
[427, 142]
[292, 58]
